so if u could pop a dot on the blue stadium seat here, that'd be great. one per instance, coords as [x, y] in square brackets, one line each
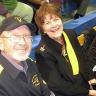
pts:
[78, 25]
[92, 2]
[35, 43]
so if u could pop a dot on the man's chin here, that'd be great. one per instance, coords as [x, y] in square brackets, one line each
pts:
[20, 57]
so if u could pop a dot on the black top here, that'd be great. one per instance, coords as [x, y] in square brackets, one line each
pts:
[57, 72]
[14, 82]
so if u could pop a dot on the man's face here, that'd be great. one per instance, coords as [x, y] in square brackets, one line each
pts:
[17, 43]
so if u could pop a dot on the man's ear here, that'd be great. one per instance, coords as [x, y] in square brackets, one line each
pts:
[1, 44]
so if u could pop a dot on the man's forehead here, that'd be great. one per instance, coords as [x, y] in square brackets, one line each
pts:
[22, 27]
[19, 30]
[5, 33]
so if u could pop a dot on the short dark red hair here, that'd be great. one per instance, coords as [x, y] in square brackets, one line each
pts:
[46, 8]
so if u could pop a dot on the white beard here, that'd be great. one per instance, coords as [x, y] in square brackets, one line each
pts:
[20, 57]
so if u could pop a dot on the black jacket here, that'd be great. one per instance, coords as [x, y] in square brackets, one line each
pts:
[57, 72]
[15, 83]
[91, 55]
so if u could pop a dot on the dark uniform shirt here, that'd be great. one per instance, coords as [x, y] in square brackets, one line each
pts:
[14, 82]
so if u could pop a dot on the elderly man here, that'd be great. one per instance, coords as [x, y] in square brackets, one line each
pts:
[18, 73]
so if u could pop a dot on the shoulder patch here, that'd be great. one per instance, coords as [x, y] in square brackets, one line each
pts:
[44, 82]
[94, 28]
[42, 48]
[35, 80]
[1, 68]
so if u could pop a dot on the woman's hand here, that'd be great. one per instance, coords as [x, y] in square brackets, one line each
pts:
[92, 81]
[92, 92]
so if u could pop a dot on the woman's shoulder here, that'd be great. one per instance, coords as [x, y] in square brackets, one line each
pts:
[70, 32]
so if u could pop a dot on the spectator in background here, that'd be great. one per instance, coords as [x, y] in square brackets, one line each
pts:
[81, 8]
[56, 2]
[18, 73]
[89, 36]
[91, 52]
[3, 12]
[59, 57]
[34, 3]
[37, 2]
[16, 8]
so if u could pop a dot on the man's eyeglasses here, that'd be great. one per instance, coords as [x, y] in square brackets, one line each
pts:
[18, 38]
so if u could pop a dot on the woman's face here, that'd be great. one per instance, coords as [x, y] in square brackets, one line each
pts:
[53, 26]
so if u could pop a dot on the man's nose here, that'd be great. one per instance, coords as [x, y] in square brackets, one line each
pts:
[22, 40]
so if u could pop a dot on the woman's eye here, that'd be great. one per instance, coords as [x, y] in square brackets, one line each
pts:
[47, 22]
[56, 19]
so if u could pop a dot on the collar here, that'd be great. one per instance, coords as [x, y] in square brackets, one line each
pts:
[13, 71]
[54, 45]
[22, 66]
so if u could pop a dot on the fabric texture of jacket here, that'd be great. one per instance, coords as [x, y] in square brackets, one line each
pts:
[14, 82]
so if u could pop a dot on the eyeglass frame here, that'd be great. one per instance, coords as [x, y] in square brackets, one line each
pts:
[17, 38]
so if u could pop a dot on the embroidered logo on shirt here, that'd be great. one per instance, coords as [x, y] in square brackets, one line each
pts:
[42, 48]
[35, 80]
[44, 82]
[1, 69]
[19, 19]
[94, 28]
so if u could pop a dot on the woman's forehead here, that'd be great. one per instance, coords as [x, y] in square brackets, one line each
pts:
[50, 16]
